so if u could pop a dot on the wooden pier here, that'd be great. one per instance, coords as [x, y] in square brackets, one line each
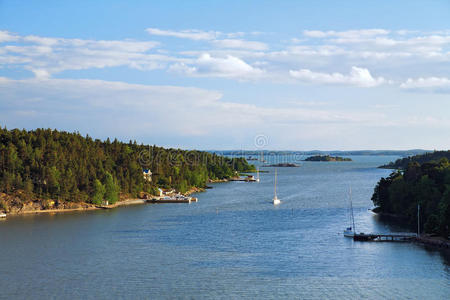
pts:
[182, 200]
[375, 237]
[246, 179]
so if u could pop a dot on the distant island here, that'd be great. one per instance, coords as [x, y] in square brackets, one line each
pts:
[283, 165]
[403, 163]
[327, 158]
[257, 153]
[50, 170]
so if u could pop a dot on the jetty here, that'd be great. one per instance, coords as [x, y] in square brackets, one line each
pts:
[391, 237]
[249, 178]
[174, 199]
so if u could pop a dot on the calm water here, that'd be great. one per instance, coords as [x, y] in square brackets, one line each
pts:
[233, 243]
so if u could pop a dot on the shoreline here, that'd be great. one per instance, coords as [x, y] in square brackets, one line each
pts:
[91, 207]
[433, 241]
[86, 207]
[436, 242]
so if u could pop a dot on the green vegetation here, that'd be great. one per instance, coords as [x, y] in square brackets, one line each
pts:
[67, 167]
[327, 158]
[428, 185]
[403, 163]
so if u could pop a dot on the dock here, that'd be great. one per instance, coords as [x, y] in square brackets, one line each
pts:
[375, 237]
[246, 179]
[173, 200]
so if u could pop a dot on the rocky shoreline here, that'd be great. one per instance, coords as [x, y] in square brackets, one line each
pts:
[13, 205]
[433, 241]
[37, 206]
[424, 239]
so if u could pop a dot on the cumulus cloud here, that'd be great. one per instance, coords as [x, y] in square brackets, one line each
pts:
[229, 41]
[240, 44]
[184, 34]
[358, 76]
[230, 56]
[345, 34]
[439, 84]
[225, 67]
[5, 36]
[45, 56]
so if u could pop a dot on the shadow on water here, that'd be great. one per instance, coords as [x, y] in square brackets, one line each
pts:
[399, 224]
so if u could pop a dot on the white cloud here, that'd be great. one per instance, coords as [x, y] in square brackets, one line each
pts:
[345, 34]
[440, 84]
[240, 44]
[230, 56]
[5, 36]
[127, 111]
[358, 76]
[45, 56]
[225, 67]
[185, 34]
[41, 74]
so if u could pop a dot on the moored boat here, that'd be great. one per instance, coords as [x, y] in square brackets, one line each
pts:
[350, 231]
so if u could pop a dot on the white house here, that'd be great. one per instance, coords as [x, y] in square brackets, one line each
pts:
[147, 174]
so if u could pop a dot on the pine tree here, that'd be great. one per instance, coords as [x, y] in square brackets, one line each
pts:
[112, 191]
[99, 192]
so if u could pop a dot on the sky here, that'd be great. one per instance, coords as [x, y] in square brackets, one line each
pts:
[255, 75]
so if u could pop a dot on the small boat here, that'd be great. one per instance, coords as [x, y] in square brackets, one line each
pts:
[2, 215]
[276, 201]
[350, 231]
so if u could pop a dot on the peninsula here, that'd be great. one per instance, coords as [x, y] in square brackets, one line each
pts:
[50, 170]
[424, 186]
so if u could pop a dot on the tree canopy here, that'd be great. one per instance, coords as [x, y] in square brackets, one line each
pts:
[402, 163]
[427, 184]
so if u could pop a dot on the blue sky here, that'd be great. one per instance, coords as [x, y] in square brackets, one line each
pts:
[218, 74]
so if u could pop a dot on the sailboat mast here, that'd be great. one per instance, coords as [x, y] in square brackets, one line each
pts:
[418, 219]
[351, 208]
[275, 183]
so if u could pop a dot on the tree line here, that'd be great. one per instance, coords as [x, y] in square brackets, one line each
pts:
[63, 166]
[402, 163]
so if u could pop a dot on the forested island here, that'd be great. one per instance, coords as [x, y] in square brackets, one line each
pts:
[327, 158]
[402, 163]
[283, 165]
[55, 169]
[427, 184]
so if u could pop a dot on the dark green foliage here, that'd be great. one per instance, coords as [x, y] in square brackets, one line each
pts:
[403, 163]
[428, 185]
[49, 164]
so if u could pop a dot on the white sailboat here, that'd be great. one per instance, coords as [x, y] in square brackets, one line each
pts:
[276, 201]
[350, 231]
[257, 174]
